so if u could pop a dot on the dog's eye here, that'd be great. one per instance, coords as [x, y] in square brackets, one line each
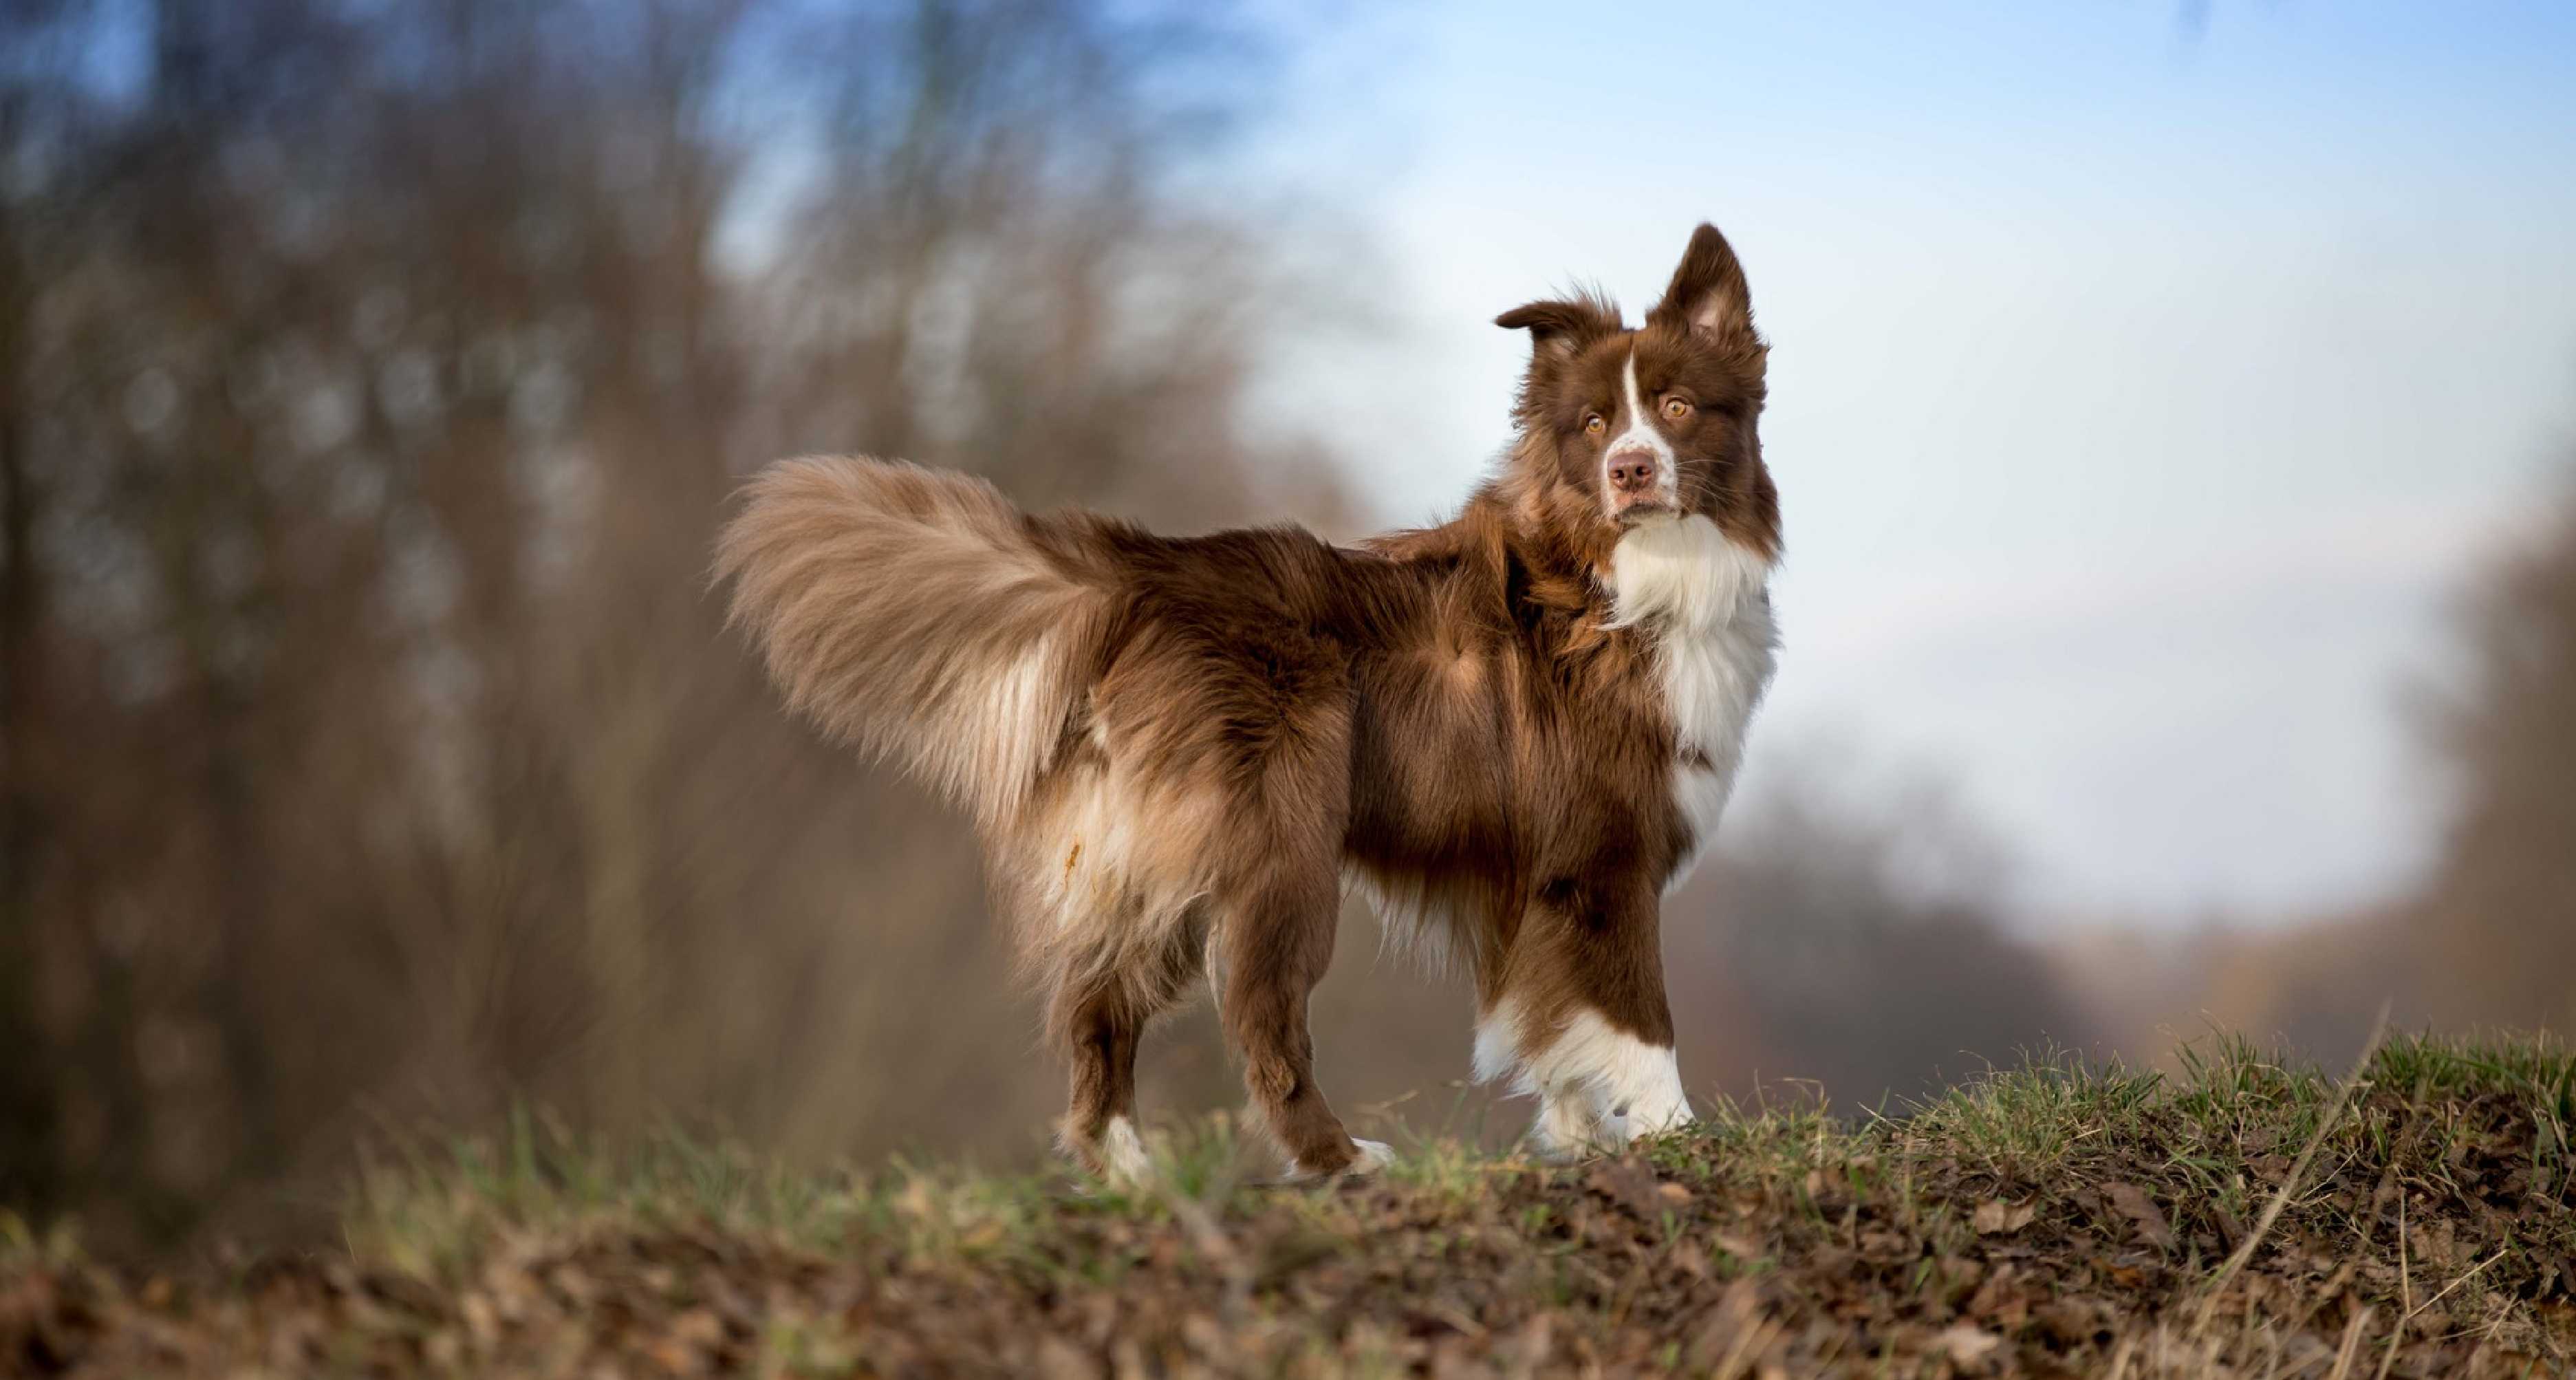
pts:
[1594, 424]
[1677, 408]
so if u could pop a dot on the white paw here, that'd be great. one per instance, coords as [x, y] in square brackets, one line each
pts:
[1123, 1153]
[1653, 1113]
[1567, 1130]
[1571, 1127]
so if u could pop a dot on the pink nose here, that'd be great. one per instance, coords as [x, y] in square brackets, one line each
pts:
[1632, 473]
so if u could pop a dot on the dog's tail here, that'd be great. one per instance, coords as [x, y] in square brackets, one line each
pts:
[919, 616]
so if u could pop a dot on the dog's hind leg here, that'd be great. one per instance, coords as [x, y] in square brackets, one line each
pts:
[1099, 1033]
[1278, 942]
[1097, 1021]
[1232, 744]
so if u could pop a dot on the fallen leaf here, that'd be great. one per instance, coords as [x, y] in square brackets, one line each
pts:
[2230, 1231]
[2001, 1301]
[1733, 1326]
[698, 1327]
[2074, 1320]
[2133, 1203]
[1966, 1342]
[1995, 1217]
[1631, 1185]
[1888, 1247]
[1058, 1359]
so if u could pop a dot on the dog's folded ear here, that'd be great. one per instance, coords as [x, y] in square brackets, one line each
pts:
[1708, 292]
[1562, 325]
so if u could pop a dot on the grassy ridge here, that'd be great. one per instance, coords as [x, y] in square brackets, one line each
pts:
[2058, 1219]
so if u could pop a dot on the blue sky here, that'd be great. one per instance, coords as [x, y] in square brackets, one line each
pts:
[2139, 395]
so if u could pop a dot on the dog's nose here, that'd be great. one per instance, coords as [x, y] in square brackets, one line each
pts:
[1632, 473]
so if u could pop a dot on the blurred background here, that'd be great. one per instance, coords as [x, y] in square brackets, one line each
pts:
[2174, 408]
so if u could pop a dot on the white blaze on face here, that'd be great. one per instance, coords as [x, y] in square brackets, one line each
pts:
[1640, 437]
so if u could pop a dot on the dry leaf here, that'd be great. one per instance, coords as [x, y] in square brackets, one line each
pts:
[1631, 1185]
[1967, 1343]
[2133, 1203]
[1995, 1217]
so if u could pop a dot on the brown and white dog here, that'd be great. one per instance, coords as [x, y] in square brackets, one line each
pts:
[1514, 731]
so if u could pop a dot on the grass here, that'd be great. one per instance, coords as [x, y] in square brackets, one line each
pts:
[2060, 1217]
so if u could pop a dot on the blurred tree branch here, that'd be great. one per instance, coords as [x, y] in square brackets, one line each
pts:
[371, 380]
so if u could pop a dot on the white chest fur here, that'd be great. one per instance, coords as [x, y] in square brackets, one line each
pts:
[1706, 602]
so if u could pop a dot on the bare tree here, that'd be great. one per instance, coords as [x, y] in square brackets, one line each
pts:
[1862, 948]
[371, 380]
[2497, 920]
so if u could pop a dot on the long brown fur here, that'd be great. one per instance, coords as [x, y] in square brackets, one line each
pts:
[1177, 749]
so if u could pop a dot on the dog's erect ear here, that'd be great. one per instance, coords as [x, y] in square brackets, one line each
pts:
[1708, 292]
[1562, 326]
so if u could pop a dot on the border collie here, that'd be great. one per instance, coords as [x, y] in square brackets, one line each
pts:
[1514, 731]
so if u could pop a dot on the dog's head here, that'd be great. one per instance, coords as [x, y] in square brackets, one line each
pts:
[1621, 427]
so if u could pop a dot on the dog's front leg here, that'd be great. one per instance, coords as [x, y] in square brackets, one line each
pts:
[1579, 1020]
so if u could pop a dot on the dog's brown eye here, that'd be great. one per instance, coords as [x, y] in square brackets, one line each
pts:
[1593, 425]
[1677, 408]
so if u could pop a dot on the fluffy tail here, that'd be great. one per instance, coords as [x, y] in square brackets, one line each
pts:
[916, 615]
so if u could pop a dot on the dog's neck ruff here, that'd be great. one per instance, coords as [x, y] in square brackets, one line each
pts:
[1683, 575]
[1705, 601]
